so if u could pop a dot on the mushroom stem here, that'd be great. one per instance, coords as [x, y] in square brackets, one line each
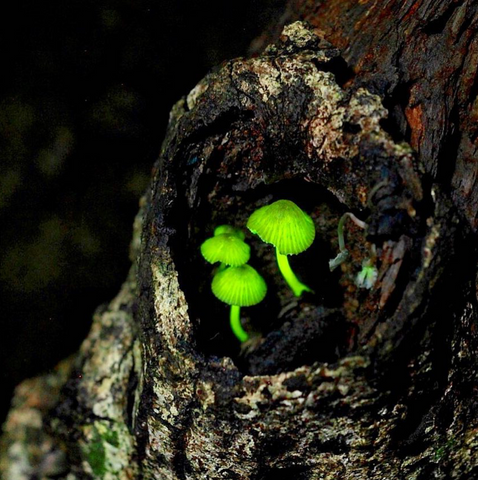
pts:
[222, 266]
[236, 325]
[289, 276]
[343, 252]
[340, 228]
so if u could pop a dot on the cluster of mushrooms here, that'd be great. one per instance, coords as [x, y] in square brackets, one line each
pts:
[284, 225]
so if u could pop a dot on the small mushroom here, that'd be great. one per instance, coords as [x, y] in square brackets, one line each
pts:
[287, 227]
[239, 287]
[227, 248]
[229, 229]
[367, 277]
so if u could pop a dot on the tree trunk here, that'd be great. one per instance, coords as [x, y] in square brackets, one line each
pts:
[368, 108]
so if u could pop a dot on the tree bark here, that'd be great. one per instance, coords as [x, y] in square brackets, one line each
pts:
[368, 107]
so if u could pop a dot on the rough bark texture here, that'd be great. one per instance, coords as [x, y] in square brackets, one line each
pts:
[421, 58]
[343, 383]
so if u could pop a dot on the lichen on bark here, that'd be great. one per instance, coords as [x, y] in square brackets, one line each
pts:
[77, 422]
[347, 383]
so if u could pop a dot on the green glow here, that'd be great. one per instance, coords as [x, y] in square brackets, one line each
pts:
[222, 266]
[231, 230]
[241, 286]
[226, 248]
[367, 277]
[289, 276]
[236, 325]
[284, 225]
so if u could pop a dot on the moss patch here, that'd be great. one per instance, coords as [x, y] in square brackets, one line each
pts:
[95, 454]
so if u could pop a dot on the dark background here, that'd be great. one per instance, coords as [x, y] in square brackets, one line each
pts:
[85, 94]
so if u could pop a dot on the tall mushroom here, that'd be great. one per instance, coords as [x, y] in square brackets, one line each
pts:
[288, 228]
[239, 287]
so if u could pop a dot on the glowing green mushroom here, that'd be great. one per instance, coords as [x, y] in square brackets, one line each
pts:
[284, 225]
[226, 248]
[229, 229]
[239, 287]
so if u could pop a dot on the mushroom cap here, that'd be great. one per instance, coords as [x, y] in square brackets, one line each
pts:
[229, 229]
[226, 248]
[241, 286]
[284, 225]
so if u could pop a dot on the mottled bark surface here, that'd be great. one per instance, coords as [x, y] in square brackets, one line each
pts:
[342, 383]
[421, 57]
